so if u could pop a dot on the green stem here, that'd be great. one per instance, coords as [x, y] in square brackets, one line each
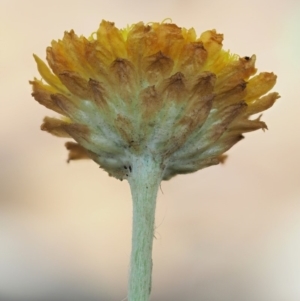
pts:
[144, 180]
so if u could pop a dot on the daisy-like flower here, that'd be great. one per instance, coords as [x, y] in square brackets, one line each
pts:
[146, 103]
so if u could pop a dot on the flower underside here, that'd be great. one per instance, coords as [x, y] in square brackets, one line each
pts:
[155, 89]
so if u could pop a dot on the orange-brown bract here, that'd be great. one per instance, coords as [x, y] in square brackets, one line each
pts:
[154, 89]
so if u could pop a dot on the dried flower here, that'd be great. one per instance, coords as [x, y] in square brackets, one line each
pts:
[154, 98]
[150, 88]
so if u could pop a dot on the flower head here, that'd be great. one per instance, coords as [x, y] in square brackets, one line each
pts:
[156, 89]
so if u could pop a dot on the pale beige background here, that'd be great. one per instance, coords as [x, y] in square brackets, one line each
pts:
[227, 233]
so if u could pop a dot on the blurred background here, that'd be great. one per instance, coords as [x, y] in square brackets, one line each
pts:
[226, 233]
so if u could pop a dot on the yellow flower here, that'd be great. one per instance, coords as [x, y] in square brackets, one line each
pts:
[156, 89]
[146, 103]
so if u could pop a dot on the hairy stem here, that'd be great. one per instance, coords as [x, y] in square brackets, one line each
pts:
[144, 180]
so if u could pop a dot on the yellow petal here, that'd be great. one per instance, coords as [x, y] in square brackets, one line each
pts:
[260, 85]
[47, 75]
[111, 38]
[262, 104]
